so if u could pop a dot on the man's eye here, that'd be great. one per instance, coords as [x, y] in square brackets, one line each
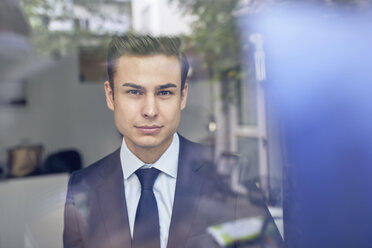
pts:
[134, 92]
[165, 93]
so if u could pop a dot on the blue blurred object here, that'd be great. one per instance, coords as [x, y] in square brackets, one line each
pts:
[319, 84]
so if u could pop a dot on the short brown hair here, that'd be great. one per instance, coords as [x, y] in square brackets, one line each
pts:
[131, 44]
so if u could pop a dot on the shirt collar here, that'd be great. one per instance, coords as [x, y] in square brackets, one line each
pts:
[167, 163]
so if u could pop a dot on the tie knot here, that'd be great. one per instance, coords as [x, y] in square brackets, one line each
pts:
[147, 177]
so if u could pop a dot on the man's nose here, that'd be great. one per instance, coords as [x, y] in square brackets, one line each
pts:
[150, 108]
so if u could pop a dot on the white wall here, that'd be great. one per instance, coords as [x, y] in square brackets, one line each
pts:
[32, 215]
[195, 117]
[61, 113]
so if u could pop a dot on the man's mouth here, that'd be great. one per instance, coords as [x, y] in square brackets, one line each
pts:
[152, 129]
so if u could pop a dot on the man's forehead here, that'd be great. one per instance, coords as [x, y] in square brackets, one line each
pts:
[150, 71]
[158, 65]
[164, 64]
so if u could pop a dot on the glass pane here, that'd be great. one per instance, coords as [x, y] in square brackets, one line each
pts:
[249, 166]
[247, 101]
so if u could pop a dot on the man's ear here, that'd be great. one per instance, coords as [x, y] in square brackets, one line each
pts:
[184, 93]
[109, 96]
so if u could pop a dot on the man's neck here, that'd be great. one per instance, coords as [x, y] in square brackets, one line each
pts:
[150, 155]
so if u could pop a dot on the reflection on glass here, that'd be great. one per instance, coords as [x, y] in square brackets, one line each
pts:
[68, 117]
[249, 166]
[247, 100]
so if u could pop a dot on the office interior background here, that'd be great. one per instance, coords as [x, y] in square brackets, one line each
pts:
[280, 90]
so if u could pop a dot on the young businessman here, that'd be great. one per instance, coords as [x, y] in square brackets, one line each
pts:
[108, 203]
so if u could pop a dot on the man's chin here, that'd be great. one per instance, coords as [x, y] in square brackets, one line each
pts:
[147, 143]
[152, 142]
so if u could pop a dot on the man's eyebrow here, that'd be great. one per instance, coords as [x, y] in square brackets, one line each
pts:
[165, 86]
[132, 85]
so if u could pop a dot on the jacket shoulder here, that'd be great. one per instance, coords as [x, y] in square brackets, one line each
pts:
[92, 173]
[196, 150]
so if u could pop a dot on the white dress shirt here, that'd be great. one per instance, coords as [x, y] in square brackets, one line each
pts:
[164, 186]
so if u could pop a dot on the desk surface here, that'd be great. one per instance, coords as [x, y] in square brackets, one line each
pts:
[31, 211]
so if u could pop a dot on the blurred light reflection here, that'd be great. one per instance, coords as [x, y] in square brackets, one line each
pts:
[318, 85]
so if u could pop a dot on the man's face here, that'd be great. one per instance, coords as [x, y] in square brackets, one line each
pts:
[147, 100]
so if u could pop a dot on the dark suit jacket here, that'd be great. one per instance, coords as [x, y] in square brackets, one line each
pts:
[96, 211]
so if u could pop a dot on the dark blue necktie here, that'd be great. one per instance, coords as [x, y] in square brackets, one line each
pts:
[146, 233]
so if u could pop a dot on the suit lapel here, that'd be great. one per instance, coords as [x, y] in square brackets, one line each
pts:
[188, 189]
[111, 198]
